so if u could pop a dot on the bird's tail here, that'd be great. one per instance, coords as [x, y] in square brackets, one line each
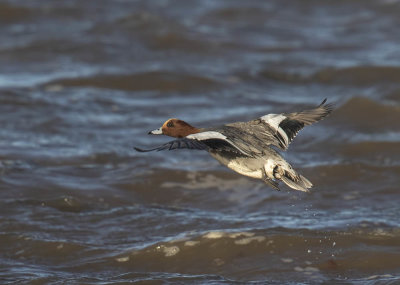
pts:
[291, 178]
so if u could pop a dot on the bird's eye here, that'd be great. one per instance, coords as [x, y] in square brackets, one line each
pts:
[170, 124]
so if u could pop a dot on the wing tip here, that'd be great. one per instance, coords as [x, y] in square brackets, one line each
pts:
[143, 150]
[176, 144]
[139, 149]
[327, 107]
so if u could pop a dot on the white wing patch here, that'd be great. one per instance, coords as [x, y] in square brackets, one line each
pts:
[274, 120]
[207, 136]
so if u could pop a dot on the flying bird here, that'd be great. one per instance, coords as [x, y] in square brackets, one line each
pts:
[247, 147]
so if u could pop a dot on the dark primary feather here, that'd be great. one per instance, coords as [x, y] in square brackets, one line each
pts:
[185, 143]
[261, 134]
[221, 145]
[177, 144]
[208, 144]
[291, 128]
[298, 120]
[307, 117]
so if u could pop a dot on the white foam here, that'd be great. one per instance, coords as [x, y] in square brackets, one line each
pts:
[122, 259]
[270, 242]
[191, 243]
[311, 269]
[372, 277]
[219, 262]
[54, 88]
[214, 235]
[298, 269]
[171, 250]
[248, 240]
[287, 260]
[238, 234]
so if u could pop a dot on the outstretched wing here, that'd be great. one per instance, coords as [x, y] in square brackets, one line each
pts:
[294, 122]
[177, 144]
[250, 138]
[280, 129]
[207, 140]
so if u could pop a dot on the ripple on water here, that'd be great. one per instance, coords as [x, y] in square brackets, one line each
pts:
[81, 84]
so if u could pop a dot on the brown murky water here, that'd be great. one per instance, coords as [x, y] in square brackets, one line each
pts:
[82, 82]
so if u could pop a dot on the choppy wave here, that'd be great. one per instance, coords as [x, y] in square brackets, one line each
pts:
[351, 76]
[287, 250]
[161, 81]
[365, 115]
[82, 83]
[11, 13]
[359, 75]
[273, 255]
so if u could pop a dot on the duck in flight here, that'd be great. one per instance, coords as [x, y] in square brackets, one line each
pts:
[246, 147]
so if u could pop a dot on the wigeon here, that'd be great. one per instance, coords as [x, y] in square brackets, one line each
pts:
[245, 147]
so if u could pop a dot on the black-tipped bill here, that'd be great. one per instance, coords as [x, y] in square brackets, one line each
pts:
[156, 132]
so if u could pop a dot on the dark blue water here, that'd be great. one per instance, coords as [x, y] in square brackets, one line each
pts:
[82, 82]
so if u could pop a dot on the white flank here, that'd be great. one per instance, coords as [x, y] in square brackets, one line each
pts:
[206, 136]
[241, 168]
[269, 168]
[273, 120]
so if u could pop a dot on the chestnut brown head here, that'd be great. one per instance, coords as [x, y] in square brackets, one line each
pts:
[175, 128]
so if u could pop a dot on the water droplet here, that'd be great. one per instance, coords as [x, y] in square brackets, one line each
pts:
[122, 259]
[298, 269]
